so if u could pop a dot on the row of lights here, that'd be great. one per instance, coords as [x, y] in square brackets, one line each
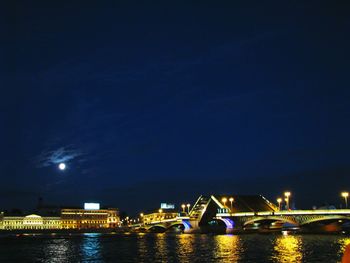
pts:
[183, 206]
[224, 200]
[286, 199]
[287, 195]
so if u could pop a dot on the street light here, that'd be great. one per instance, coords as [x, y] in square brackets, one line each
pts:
[188, 208]
[287, 195]
[224, 200]
[345, 195]
[279, 201]
[183, 208]
[231, 200]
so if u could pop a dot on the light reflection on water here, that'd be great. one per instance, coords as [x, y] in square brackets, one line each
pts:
[227, 248]
[57, 251]
[142, 250]
[160, 247]
[184, 248]
[288, 249]
[343, 242]
[91, 247]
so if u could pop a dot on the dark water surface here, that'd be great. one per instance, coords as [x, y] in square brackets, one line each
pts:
[172, 248]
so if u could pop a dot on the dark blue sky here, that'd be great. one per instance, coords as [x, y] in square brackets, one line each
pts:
[163, 102]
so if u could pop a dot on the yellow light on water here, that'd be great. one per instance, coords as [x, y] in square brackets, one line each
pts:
[288, 249]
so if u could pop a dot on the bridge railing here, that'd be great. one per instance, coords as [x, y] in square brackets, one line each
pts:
[179, 218]
[286, 212]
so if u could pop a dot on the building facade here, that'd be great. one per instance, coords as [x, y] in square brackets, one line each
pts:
[69, 219]
[1, 220]
[158, 216]
[87, 219]
[32, 222]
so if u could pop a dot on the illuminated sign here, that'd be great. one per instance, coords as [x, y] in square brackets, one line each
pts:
[91, 206]
[167, 206]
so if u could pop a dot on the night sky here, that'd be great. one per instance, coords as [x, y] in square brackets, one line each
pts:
[150, 103]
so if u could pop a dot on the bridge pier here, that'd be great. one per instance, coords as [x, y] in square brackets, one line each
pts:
[229, 225]
[191, 227]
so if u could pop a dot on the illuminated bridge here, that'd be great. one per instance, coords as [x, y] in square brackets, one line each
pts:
[163, 220]
[256, 212]
[167, 224]
[296, 218]
[202, 213]
[243, 213]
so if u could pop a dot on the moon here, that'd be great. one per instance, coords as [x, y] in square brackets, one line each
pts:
[62, 166]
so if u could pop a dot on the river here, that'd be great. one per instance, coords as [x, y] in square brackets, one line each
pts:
[167, 247]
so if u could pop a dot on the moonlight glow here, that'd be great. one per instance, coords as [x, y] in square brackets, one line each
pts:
[62, 166]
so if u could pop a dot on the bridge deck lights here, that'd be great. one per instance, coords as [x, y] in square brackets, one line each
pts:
[279, 201]
[231, 200]
[224, 200]
[188, 208]
[183, 206]
[345, 195]
[287, 195]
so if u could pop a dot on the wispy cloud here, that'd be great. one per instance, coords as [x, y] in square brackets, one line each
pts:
[62, 154]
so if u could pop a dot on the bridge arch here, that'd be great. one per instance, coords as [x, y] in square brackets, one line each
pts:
[168, 225]
[157, 226]
[271, 218]
[228, 222]
[312, 220]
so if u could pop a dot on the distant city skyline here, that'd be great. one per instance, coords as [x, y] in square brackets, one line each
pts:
[284, 201]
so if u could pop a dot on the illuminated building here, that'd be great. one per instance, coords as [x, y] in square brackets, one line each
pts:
[166, 212]
[89, 218]
[33, 222]
[159, 216]
[1, 220]
[92, 218]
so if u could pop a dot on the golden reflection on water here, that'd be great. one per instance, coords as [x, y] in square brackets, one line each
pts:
[343, 242]
[185, 244]
[228, 248]
[288, 249]
[161, 247]
[142, 246]
[185, 247]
